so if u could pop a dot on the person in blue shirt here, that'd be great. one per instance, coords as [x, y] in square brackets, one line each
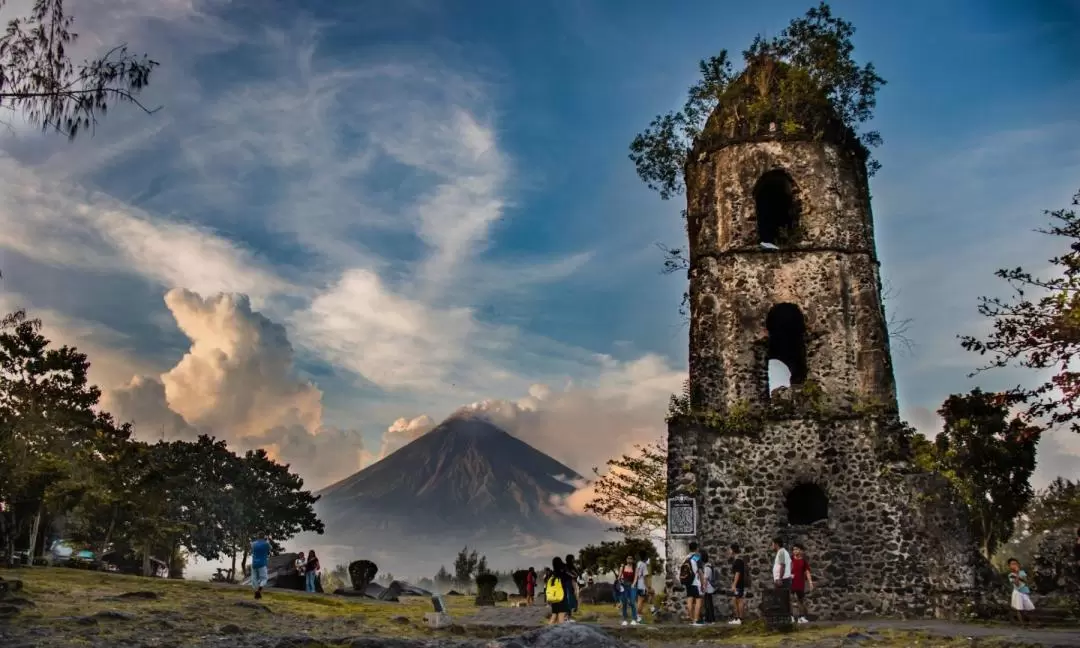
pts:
[1021, 594]
[260, 554]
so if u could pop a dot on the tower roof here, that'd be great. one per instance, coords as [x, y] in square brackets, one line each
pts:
[774, 101]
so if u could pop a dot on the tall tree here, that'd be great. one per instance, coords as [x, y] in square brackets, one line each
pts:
[1039, 327]
[988, 457]
[465, 565]
[46, 420]
[1056, 507]
[38, 76]
[633, 491]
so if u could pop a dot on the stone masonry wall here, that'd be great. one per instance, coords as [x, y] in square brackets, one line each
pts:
[891, 544]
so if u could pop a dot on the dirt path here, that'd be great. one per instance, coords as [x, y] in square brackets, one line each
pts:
[507, 617]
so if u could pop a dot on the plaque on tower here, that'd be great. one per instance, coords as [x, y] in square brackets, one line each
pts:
[682, 516]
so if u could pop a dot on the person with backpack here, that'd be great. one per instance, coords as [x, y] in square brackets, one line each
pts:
[709, 611]
[573, 593]
[625, 582]
[557, 588]
[692, 577]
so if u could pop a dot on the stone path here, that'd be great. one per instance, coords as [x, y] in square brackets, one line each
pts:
[510, 617]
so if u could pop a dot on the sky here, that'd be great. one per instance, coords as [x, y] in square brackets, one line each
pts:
[348, 220]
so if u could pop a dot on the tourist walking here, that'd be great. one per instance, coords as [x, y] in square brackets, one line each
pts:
[530, 586]
[641, 583]
[708, 613]
[781, 565]
[311, 570]
[260, 555]
[739, 582]
[801, 580]
[691, 576]
[1021, 594]
[627, 585]
[557, 588]
[573, 595]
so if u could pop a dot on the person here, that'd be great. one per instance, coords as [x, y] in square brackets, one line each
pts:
[641, 582]
[557, 588]
[299, 565]
[311, 569]
[692, 577]
[575, 588]
[781, 564]
[708, 613]
[801, 580]
[260, 555]
[738, 584]
[530, 586]
[628, 591]
[1021, 594]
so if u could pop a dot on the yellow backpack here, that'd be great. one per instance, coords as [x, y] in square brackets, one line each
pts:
[553, 590]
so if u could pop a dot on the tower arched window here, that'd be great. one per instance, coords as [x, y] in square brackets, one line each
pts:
[787, 340]
[806, 504]
[777, 208]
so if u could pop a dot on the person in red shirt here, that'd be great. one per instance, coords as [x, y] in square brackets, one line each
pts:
[801, 581]
[530, 586]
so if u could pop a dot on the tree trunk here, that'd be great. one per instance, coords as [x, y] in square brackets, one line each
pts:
[232, 570]
[109, 532]
[34, 529]
[146, 564]
[243, 562]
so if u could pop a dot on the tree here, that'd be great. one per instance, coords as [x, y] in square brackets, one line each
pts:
[38, 77]
[609, 556]
[443, 577]
[818, 49]
[465, 566]
[988, 458]
[1039, 327]
[46, 415]
[1056, 507]
[633, 491]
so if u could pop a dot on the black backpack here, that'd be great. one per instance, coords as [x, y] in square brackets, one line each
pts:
[686, 572]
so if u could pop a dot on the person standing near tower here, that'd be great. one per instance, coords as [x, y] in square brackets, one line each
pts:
[692, 577]
[738, 584]
[781, 565]
[801, 580]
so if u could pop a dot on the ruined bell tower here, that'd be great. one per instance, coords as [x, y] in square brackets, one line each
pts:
[783, 267]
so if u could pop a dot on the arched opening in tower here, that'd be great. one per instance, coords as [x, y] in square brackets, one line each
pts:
[807, 504]
[787, 342]
[777, 208]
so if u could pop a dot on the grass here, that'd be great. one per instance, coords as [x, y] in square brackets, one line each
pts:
[184, 611]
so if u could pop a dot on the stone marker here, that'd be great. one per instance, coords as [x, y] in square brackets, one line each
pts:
[776, 609]
[438, 620]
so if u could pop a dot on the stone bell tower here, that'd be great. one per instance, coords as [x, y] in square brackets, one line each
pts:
[783, 267]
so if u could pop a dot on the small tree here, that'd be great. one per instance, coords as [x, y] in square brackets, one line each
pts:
[1056, 507]
[633, 491]
[609, 556]
[465, 566]
[989, 459]
[1039, 328]
[38, 77]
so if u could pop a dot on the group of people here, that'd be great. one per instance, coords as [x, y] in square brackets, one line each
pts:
[704, 580]
[306, 567]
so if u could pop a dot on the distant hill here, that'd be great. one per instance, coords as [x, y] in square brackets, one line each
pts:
[465, 482]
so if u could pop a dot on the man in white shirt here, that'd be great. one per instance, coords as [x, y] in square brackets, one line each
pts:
[781, 565]
[641, 581]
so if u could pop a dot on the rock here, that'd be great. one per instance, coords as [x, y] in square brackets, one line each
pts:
[19, 601]
[520, 577]
[391, 593]
[560, 636]
[252, 605]
[296, 642]
[501, 596]
[361, 573]
[114, 615]
[8, 610]
[1053, 568]
[598, 593]
[438, 620]
[139, 595]
[230, 629]
[400, 620]
[86, 621]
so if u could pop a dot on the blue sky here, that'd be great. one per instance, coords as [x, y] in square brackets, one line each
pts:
[430, 204]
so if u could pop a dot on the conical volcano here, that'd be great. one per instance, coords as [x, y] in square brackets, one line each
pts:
[466, 481]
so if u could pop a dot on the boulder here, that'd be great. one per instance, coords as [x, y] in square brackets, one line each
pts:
[501, 596]
[485, 589]
[391, 593]
[560, 636]
[361, 573]
[598, 593]
[519, 580]
[410, 590]
[1053, 567]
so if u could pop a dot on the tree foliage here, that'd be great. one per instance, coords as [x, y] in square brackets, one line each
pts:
[988, 457]
[1039, 327]
[608, 556]
[60, 455]
[1055, 507]
[38, 76]
[466, 564]
[817, 45]
[633, 491]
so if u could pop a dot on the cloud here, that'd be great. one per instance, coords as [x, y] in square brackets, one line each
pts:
[403, 432]
[237, 382]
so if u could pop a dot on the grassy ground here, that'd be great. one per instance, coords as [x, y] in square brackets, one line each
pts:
[71, 608]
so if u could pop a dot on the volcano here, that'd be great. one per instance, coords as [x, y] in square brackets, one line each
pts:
[465, 482]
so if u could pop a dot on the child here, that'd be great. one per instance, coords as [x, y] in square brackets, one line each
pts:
[1021, 599]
